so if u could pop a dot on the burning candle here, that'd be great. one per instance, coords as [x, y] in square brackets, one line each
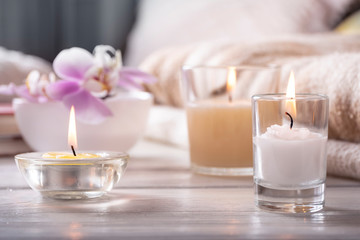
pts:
[220, 133]
[290, 155]
[72, 141]
[72, 175]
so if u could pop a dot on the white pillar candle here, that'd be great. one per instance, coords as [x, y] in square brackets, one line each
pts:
[288, 157]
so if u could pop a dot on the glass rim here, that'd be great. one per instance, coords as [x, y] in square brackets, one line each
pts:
[236, 67]
[36, 157]
[282, 96]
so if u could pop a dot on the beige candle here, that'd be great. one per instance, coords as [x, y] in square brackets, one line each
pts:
[220, 133]
[218, 104]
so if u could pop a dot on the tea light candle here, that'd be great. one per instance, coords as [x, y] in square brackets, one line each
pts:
[220, 133]
[64, 175]
[72, 141]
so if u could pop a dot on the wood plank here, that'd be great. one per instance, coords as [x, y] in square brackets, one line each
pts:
[159, 198]
[175, 214]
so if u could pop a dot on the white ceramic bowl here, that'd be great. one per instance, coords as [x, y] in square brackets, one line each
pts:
[45, 126]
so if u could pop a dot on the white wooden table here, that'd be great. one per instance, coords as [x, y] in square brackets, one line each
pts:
[159, 198]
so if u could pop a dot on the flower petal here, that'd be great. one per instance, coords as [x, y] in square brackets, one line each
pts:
[59, 89]
[94, 86]
[7, 89]
[104, 55]
[42, 99]
[129, 84]
[72, 63]
[89, 109]
[32, 81]
[23, 91]
[136, 75]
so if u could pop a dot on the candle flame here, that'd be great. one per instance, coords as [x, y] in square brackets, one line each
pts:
[231, 82]
[231, 79]
[72, 138]
[290, 105]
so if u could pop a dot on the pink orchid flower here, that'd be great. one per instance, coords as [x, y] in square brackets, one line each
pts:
[34, 89]
[87, 78]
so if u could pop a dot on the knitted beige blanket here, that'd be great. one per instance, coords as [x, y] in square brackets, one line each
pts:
[327, 64]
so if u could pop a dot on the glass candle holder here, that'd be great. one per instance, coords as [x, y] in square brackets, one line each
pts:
[218, 107]
[289, 140]
[72, 178]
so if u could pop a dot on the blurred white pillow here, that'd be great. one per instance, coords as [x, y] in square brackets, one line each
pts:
[167, 125]
[163, 23]
[14, 67]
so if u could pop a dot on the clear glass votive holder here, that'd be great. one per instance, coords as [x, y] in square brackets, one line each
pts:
[72, 178]
[289, 140]
[218, 107]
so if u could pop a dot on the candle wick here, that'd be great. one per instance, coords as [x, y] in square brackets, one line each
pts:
[291, 120]
[73, 150]
[230, 97]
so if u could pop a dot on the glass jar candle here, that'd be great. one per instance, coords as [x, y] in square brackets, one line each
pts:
[289, 139]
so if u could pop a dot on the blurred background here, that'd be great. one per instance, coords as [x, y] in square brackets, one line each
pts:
[45, 27]
[33, 32]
